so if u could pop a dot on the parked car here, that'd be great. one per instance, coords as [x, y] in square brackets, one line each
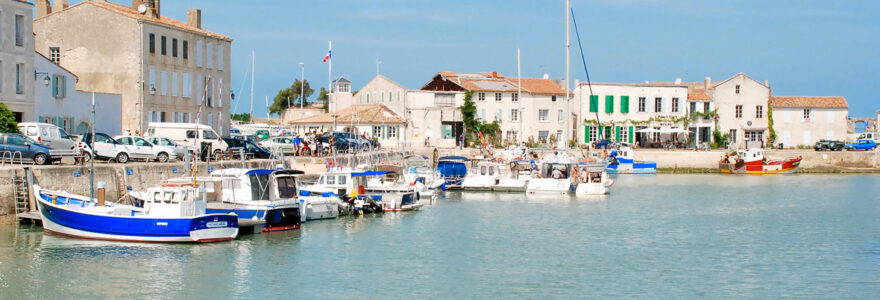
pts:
[340, 143]
[105, 147]
[179, 150]
[262, 134]
[142, 149]
[187, 134]
[30, 150]
[863, 144]
[283, 143]
[48, 135]
[248, 146]
[826, 145]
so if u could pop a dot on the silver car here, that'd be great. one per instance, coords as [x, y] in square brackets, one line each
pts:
[179, 151]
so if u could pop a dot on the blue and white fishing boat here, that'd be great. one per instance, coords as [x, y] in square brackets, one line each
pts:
[366, 190]
[622, 162]
[169, 214]
[453, 169]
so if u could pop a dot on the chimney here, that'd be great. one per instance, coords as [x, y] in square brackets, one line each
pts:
[43, 8]
[60, 5]
[494, 74]
[766, 82]
[152, 7]
[678, 81]
[707, 83]
[194, 18]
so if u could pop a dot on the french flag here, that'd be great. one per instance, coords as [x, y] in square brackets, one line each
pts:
[326, 57]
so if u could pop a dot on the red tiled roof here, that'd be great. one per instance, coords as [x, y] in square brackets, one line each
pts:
[806, 101]
[495, 82]
[131, 12]
[364, 114]
[698, 96]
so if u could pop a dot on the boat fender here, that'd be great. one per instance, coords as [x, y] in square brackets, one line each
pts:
[55, 199]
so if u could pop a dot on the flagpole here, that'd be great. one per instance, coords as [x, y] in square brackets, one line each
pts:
[329, 70]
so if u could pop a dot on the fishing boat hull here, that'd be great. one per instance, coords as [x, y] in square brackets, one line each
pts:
[785, 166]
[637, 167]
[72, 220]
[510, 186]
[592, 188]
[317, 208]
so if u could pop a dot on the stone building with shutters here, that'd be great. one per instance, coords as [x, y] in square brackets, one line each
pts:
[17, 58]
[56, 101]
[164, 69]
[620, 111]
[803, 121]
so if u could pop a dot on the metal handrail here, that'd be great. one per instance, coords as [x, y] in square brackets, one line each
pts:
[11, 156]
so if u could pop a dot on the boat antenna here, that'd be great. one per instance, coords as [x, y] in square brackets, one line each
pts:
[581, 47]
[92, 159]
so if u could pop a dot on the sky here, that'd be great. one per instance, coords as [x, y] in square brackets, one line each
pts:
[804, 48]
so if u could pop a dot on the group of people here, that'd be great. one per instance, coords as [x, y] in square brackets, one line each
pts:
[311, 144]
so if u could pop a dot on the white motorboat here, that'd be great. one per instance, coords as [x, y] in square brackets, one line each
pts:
[352, 187]
[516, 179]
[483, 177]
[554, 179]
[591, 179]
[419, 171]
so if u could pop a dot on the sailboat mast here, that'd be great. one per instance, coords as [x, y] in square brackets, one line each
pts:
[253, 61]
[567, 70]
[92, 158]
[519, 95]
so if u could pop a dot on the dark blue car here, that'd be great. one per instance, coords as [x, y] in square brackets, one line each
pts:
[15, 144]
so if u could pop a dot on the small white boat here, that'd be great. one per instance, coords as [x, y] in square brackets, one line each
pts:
[622, 162]
[352, 188]
[516, 179]
[483, 177]
[591, 179]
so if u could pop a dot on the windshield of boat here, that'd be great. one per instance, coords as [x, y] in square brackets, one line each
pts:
[259, 186]
[286, 187]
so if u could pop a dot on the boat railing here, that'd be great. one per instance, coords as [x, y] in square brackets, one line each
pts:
[11, 156]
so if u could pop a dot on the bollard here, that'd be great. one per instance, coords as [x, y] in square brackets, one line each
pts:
[101, 196]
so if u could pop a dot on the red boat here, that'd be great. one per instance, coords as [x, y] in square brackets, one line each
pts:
[752, 161]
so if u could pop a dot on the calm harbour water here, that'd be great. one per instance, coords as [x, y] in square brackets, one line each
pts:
[665, 236]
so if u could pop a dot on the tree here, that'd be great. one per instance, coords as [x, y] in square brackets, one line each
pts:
[771, 139]
[7, 120]
[324, 98]
[290, 95]
[242, 117]
[468, 116]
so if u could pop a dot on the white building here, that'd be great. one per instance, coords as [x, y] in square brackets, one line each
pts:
[161, 66]
[802, 121]
[742, 108]
[372, 120]
[526, 109]
[17, 58]
[623, 109]
[56, 101]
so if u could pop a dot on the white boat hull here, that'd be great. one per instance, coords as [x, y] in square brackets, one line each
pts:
[548, 186]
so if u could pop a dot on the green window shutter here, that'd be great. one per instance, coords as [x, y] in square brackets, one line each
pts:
[624, 104]
[630, 135]
[609, 104]
[586, 134]
[62, 90]
[617, 133]
[601, 133]
[55, 86]
[594, 103]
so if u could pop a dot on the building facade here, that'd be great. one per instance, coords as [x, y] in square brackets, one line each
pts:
[742, 104]
[527, 109]
[802, 121]
[17, 58]
[166, 70]
[620, 111]
[56, 101]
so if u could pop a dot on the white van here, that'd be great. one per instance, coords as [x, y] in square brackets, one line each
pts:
[189, 134]
[47, 135]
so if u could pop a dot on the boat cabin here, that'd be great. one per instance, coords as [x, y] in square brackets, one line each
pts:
[555, 170]
[174, 201]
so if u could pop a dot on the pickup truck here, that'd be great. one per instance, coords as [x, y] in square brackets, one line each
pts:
[826, 145]
[864, 144]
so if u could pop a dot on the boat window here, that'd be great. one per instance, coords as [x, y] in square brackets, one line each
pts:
[331, 180]
[286, 187]
[259, 186]
[482, 170]
[209, 187]
[341, 180]
[157, 197]
[321, 180]
[491, 171]
[175, 197]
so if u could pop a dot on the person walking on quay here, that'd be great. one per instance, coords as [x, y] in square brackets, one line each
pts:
[296, 141]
